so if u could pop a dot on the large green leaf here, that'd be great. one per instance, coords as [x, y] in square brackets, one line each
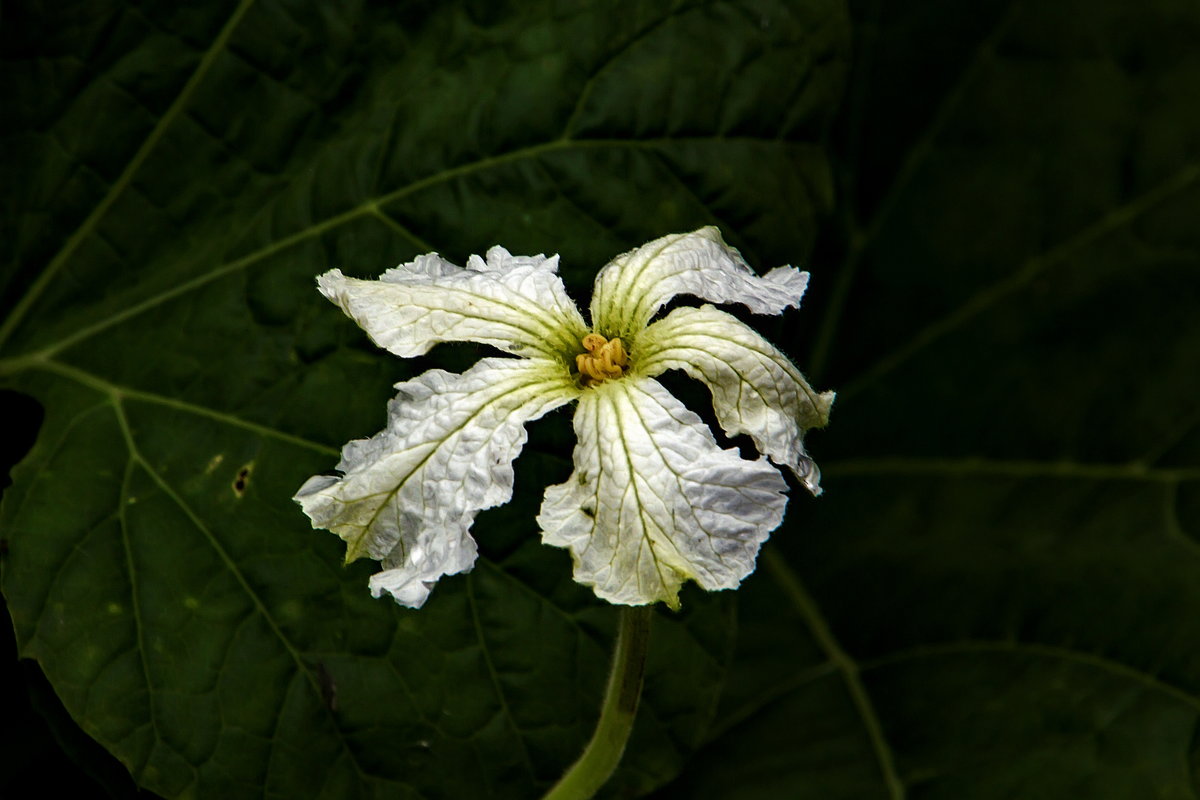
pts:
[999, 594]
[175, 176]
[995, 597]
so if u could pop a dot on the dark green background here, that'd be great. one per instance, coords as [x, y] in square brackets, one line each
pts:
[998, 595]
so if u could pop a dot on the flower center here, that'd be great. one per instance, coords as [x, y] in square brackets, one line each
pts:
[605, 359]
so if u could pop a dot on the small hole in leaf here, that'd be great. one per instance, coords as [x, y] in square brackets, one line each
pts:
[242, 480]
[591, 512]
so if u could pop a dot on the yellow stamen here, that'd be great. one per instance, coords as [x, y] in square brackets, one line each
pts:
[605, 359]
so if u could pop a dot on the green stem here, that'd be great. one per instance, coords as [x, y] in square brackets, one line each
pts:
[603, 752]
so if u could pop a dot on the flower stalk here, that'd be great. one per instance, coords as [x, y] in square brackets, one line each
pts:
[617, 713]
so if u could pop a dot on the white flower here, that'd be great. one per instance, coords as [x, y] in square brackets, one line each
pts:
[654, 500]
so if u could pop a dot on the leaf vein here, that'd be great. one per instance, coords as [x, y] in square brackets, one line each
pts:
[790, 582]
[89, 224]
[1022, 276]
[978, 646]
[253, 596]
[495, 677]
[133, 309]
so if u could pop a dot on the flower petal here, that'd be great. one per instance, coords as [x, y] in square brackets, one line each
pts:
[635, 285]
[654, 501]
[516, 303]
[409, 494]
[756, 389]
